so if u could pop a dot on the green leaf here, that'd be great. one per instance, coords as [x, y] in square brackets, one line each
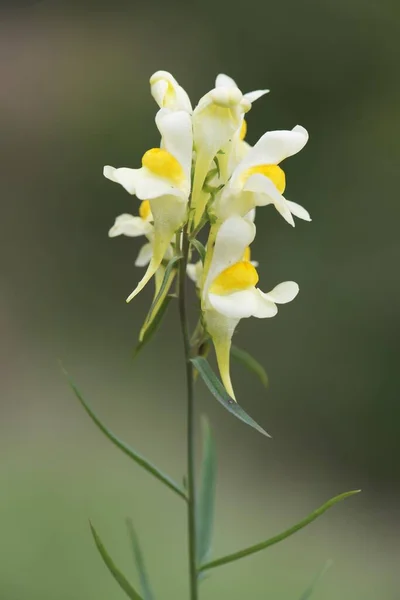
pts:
[168, 272]
[115, 572]
[140, 565]
[281, 536]
[138, 458]
[220, 393]
[250, 363]
[309, 591]
[206, 496]
[200, 249]
[153, 327]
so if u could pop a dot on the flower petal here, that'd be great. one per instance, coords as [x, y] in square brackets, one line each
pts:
[243, 304]
[267, 193]
[129, 225]
[144, 256]
[253, 96]
[141, 182]
[283, 293]
[225, 81]
[273, 147]
[298, 211]
[169, 214]
[167, 92]
[177, 136]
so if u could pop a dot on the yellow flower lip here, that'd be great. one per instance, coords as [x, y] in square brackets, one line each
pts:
[240, 276]
[163, 164]
[145, 210]
[273, 172]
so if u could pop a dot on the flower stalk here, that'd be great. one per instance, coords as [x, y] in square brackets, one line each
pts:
[190, 441]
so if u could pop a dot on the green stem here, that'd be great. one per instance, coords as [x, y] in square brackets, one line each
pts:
[190, 420]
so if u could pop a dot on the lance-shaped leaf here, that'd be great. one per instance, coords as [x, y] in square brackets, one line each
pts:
[250, 363]
[149, 330]
[115, 572]
[139, 561]
[219, 392]
[165, 284]
[277, 538]
[206, 495]
[138, 458]
[309, 591]
[201, 251]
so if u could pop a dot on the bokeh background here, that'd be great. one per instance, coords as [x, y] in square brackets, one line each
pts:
[74, 96]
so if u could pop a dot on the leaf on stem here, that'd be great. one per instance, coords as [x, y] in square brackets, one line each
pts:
[281, 536]
[148, 331]
[206, 495]
[115, 572]
[219, 392]
[167, 279]
[139, 561]
[138, 458]
[251, 364]
[201, 251]
[308, 593]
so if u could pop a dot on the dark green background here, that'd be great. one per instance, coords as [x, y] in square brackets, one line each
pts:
[75, 96]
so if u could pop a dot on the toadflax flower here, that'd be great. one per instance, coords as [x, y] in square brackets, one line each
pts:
[230, 291]
[132, 226]
[164, 180]
[167, 92]
[258, 179]
[217, 119]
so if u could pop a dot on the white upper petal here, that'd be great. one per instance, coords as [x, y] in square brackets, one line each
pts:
[161, 82]
[233, 237]
[144, 256]
[298, 211]
[175, 128]
[129, 225]
[253, 96]
[242, 304]
[225, 81]
[283, 293]
[272, 148]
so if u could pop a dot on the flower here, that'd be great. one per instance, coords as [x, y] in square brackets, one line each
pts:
[163, 180]
[258, 179]
[230, 293]
[217, 119]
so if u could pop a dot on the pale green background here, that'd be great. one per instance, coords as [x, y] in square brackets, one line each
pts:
[74, 96]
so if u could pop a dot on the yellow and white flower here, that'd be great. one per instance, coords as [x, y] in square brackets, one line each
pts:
[259, 180]
[217, 119]
[167, 92]
[230, 291]
[132, 226]
[164, 180]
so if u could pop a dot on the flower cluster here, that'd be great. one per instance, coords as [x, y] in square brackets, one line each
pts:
[205, 175]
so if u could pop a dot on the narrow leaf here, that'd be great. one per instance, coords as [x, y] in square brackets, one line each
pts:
[281, 536]
[115, 572]
[138, 458]
[199, 248]
[309, 591]
[149, 331]
[140, 565]
[250, 363]
[166, 280]
[206, 497]
[217, 389]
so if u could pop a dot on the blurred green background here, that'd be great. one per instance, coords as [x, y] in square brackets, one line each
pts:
[75, 96]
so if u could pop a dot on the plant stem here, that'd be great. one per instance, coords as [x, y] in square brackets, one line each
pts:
[190, 420]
